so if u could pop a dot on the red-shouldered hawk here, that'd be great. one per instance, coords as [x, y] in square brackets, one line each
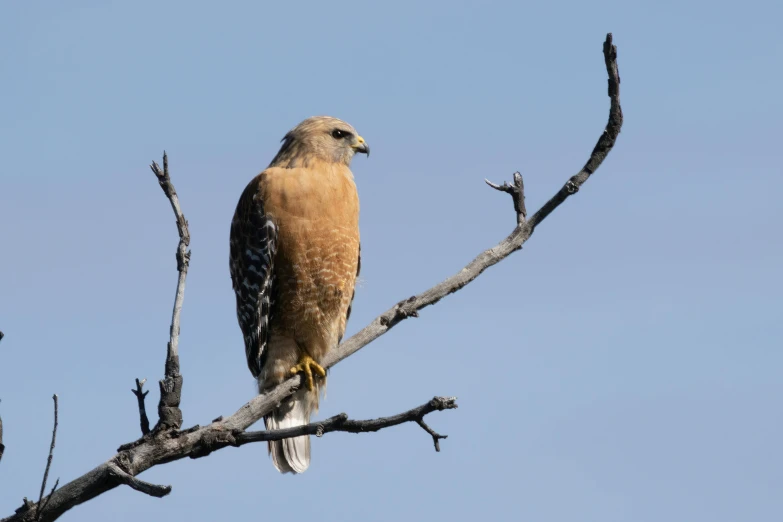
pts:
[294, 260]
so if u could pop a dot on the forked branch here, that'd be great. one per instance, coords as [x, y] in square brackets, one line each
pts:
[524, 229]
[339, 422]
[517, 192]
[141, 395]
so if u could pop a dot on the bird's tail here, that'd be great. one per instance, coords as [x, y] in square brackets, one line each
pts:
[292, 455]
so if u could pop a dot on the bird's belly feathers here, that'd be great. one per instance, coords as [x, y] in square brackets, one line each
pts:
[316, 280]
[316, 261]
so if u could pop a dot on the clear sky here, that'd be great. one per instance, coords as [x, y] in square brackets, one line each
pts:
[626, 365]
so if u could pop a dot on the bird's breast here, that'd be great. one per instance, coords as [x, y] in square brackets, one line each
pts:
[317, 215]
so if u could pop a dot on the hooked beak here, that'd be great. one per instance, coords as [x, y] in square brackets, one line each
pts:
[361, 146]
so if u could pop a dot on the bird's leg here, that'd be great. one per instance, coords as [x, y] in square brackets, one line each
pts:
[308, 366]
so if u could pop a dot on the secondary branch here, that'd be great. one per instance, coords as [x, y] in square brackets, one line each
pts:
[169, 414]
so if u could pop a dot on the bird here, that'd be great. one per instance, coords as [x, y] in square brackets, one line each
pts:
[295, 255]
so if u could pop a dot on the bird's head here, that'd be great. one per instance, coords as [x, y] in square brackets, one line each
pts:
[323, 138]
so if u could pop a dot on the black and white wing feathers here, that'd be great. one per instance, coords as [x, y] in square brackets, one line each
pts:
[251, 261]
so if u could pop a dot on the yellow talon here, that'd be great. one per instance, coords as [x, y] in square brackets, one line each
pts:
[307, 365]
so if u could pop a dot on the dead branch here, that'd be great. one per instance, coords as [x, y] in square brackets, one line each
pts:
[410, 307]
[194, 443]
[49, 497]
[167, 443]
[51, 456]
[121, 477]
[341, 422]
[169, 414]
[517, 192]
[140, 396]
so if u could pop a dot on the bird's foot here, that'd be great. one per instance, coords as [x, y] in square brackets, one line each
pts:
[308, 366]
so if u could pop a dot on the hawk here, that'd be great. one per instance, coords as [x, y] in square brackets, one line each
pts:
[294, 260]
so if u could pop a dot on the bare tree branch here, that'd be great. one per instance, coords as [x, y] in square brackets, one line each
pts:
[169, 414]
[195, 443]
[140, 396]
[517, 192]
[410, 307]
[49, 497]
[51, 455]
[436, 437]
[153, 490]
[166, 443]
[343, 423]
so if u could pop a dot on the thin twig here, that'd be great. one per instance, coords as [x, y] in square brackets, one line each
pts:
[343, 423]
[140, 396]
[49, 460]
[602, 147]
[517, 191]
[169, 413]
[436, 437]
[49, 496]
[121, 477]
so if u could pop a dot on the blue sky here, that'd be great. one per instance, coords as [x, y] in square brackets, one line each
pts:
[625, 365]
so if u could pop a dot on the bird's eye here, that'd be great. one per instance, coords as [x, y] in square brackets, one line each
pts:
[338, 134]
